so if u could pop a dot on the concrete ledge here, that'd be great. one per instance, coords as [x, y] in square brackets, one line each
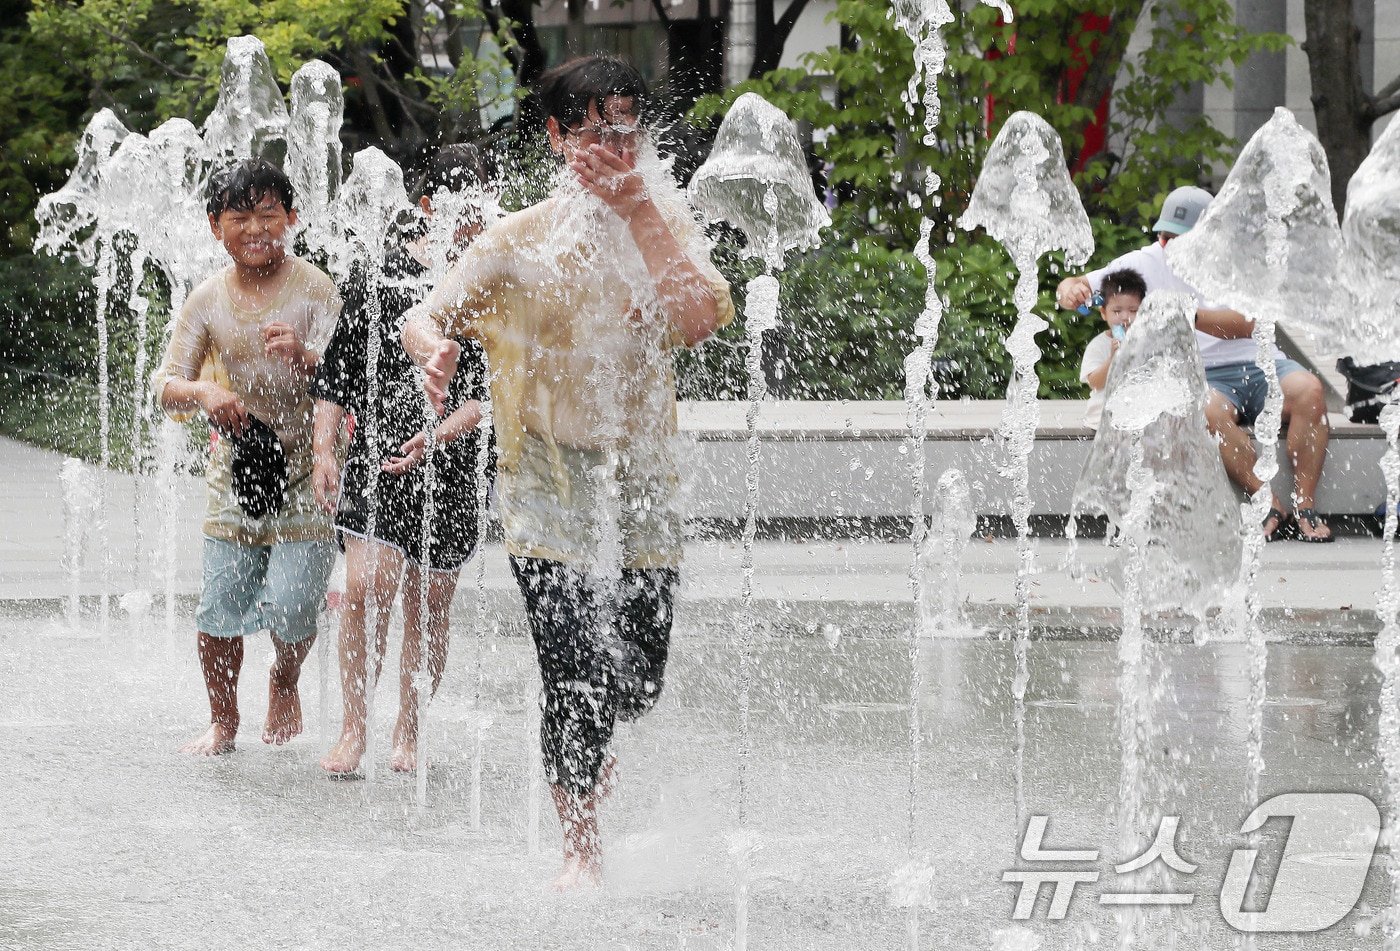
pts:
[835, 460]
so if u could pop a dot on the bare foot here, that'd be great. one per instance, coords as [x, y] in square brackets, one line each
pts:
[405, 756]
[344, 756]
[283, 714]
[216, 741]
[580, 871]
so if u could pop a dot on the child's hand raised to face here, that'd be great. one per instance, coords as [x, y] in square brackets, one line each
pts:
[1120, 310]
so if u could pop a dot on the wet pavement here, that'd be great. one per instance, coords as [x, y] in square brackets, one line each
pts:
[112, 840]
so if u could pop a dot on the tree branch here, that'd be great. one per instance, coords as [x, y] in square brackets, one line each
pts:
[661, 13]
[130, 44]
[1384, 107]
[1387, 92]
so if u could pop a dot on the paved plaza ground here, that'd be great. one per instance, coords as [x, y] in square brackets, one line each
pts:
[112, 840]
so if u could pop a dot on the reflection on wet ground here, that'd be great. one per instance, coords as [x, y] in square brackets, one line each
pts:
[111, 839]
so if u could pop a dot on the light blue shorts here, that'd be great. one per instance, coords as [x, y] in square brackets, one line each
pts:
[251, 588]
[1243, 384]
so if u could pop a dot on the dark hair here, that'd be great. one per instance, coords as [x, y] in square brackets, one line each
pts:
[453, 168]
[247, 183]
[1125, 281]
[566, 91]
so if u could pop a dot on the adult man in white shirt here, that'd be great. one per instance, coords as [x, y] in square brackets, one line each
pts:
[1237, 385]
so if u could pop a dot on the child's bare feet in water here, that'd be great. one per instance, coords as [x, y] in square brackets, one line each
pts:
[405, 756]
[215, 741]
[344, 757]
[283, 714]
[580, 871]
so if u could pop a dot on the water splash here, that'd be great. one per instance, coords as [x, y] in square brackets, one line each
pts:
[314, 151]
[756, 179]
[1279, 185]
[941, 557]
[1025, 200]
[1154, 406]
[1371, 231]
[371, 205]
[250, 118]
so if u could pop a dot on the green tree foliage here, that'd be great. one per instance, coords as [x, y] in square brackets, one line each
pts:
[871, 141]
[149, 60]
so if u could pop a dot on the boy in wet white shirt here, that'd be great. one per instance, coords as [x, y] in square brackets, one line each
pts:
[1122, 292]
[243, 349]
[579, 301]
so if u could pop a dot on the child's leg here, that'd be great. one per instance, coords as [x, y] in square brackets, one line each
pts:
[220, 658]
[292, 593]
[441, 585]
[363, 596]
[579, 704]
[583, 843]
[645, 610]
[232, 575]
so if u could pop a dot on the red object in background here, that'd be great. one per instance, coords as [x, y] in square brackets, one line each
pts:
[1096, 133]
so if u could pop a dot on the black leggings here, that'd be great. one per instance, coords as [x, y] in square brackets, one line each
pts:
[602, 652]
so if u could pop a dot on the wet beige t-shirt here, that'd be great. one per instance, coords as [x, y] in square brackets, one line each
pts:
[213, 338]
[582, 384]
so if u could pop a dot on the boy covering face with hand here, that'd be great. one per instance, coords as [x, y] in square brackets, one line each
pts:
[579, 301]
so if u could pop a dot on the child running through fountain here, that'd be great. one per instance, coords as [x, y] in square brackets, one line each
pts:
[1122, 292]
[374, 565]
[243, 349]
[579, 301]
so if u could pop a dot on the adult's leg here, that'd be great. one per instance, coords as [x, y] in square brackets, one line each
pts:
[1237, 451]
[369, 589]
[441, 585]
[1305, 412]
[221, 659]
[579, 705]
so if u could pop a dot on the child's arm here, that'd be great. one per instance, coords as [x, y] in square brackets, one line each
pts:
[436, 354]
[325, 468]
[1098, 379]
[1097, 361]
[686, 295]
[225, 410]
[460, 422]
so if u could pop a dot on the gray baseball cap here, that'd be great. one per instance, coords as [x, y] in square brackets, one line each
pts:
[1181, 209]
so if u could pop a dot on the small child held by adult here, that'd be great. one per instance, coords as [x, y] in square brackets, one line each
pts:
[1121, 292]
[243, 349]
[377, 556]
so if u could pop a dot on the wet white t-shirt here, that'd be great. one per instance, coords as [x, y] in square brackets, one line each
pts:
[1095, 356]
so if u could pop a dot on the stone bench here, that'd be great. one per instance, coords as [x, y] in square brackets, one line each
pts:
[835, 460]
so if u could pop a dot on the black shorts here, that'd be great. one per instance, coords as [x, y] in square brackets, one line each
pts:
[602, 650]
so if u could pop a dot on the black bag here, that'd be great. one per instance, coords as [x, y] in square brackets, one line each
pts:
[1369, 388]
[259, 470]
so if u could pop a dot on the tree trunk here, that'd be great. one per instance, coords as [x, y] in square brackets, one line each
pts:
[771, 34]
[1103, 68]
[574, 34]
[1343, 109]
